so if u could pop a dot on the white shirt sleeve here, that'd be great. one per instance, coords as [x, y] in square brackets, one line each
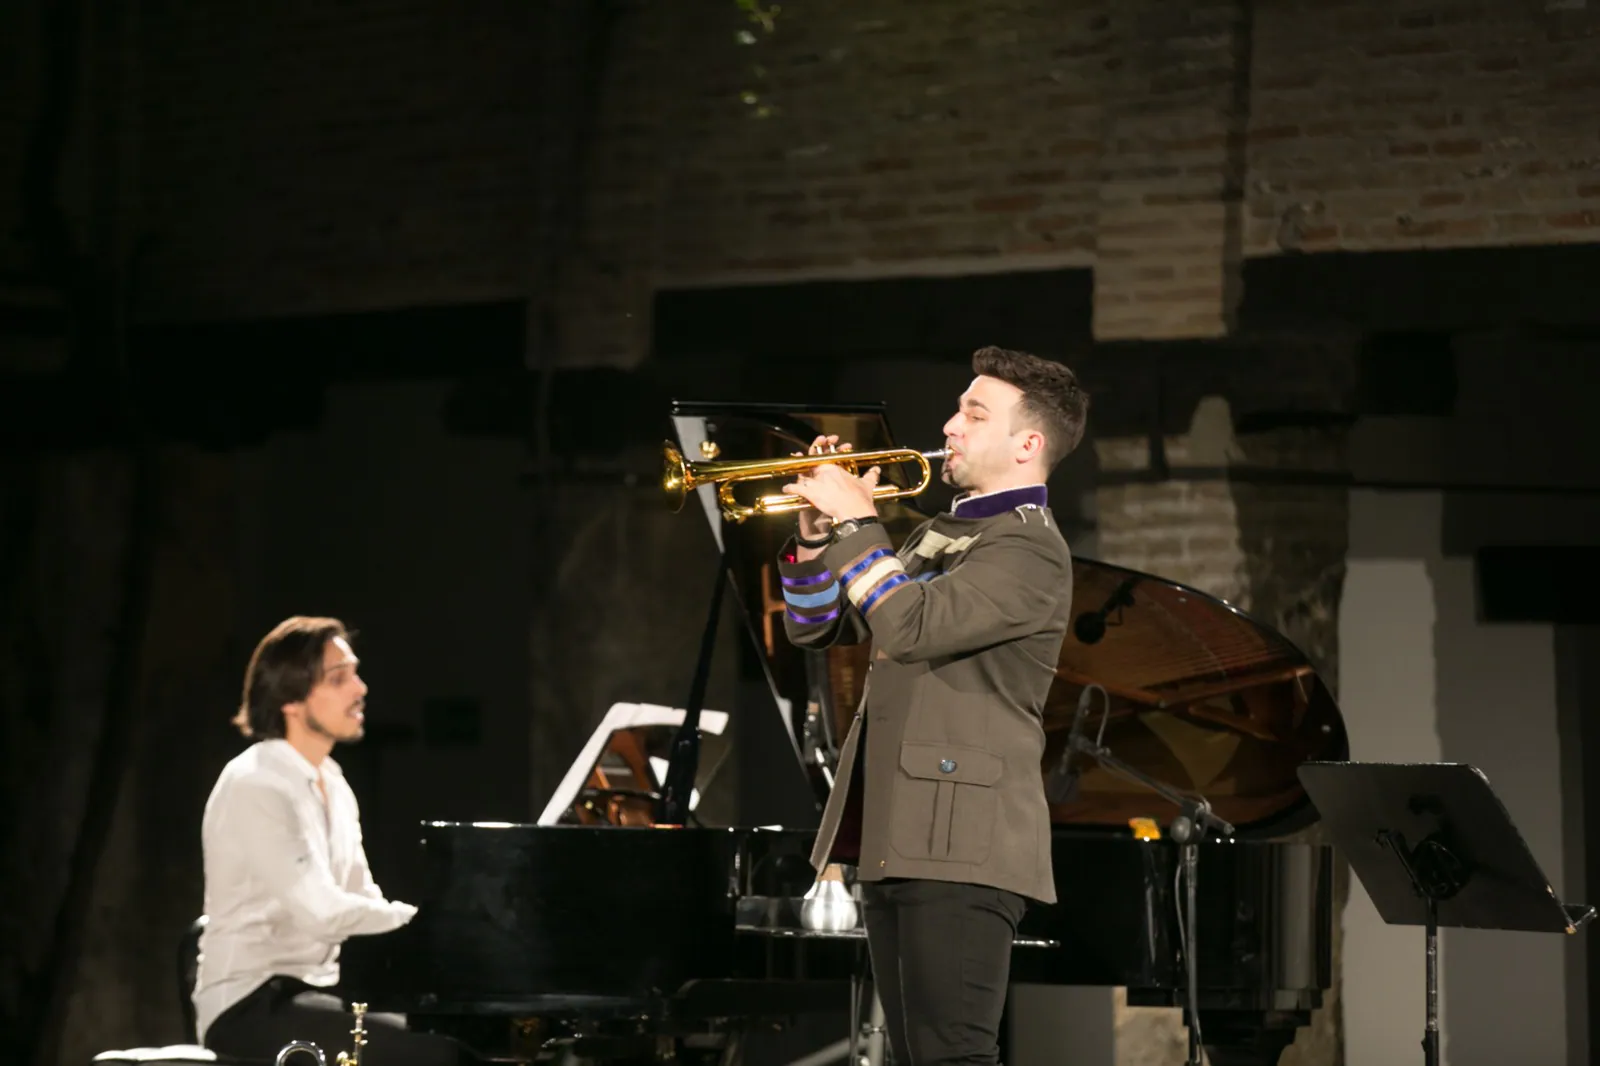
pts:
[260, 825]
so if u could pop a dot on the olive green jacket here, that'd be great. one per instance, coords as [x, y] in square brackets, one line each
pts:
[966, 622]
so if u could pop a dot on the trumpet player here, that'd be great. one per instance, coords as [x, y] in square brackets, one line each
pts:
[286, 876]
[938, 800]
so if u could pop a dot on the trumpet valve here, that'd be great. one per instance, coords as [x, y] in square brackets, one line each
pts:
[709, 449]
[358, 1037]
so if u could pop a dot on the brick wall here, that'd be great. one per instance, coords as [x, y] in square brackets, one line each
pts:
[1171, 161]
[300, 161]
[946, 137]
[909, 137]
[1445, 124]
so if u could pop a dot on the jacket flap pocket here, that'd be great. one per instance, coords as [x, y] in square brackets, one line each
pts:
[950, 762]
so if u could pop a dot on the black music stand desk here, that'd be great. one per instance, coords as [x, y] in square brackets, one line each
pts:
[1433, 846]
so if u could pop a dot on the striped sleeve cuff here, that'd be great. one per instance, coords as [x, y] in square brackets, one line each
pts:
[811, 599]
[872, 576]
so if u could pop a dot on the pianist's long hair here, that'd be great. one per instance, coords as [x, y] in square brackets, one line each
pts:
[284, 668]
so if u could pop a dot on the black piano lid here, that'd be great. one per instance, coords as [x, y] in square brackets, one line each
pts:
[1202, 695]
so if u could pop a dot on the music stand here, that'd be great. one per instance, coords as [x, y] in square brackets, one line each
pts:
[1433, 846]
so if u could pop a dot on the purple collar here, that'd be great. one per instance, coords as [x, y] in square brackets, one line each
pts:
[990, 504]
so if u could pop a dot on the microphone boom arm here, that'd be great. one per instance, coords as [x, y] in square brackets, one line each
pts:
[1197, 810]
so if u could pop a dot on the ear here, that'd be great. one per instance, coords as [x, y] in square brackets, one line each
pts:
[1031, 446]
[297, 709]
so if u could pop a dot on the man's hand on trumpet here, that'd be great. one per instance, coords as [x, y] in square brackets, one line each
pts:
[835, 494]
[813, 524]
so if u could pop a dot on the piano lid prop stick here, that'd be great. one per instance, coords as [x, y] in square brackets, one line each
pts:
[683, 763]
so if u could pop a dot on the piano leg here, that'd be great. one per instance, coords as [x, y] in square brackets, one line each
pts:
[1249, 1038]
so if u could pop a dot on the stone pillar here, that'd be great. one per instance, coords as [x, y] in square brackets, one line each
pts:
[1276, 551]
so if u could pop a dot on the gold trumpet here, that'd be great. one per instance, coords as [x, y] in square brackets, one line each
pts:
[681, 476]
[358, 1037]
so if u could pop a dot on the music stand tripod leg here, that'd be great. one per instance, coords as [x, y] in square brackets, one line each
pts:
[1433, 872]
[1430, 1035]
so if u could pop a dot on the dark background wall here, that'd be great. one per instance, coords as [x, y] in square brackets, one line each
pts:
[376, 312]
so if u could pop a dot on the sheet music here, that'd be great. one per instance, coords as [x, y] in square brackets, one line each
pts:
[620, 716]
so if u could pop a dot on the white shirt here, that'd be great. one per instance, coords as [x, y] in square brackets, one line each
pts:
[286, 877]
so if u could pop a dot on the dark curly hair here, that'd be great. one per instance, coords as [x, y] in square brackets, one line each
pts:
[285, 667]
[1052, 400]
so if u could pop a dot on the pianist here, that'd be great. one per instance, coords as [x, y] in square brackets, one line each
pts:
[939, 799]
[286, 876]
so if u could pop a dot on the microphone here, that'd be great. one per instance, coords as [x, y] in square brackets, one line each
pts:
[1090, 626]
[1062, 784]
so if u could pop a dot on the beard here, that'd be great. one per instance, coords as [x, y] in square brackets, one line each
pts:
[314, 723]
[949, 476]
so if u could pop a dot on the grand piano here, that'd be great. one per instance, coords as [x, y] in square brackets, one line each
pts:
[600, 933]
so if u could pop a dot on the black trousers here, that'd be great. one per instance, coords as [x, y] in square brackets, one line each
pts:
[941, 961]
[284, 1009]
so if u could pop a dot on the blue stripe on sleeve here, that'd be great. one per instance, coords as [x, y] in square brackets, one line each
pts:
[812, 599]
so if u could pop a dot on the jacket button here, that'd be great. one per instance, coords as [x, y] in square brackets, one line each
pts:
[948, 766]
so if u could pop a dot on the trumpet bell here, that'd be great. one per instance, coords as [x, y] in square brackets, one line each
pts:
[674, 477]
[300, 1047]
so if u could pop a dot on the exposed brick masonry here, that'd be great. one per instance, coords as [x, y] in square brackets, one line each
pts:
[306, 161]
[937, 137]
[1445, 124]
[928, 137]
[1167, 230]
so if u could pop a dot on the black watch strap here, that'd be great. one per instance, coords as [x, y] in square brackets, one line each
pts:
[821, 542]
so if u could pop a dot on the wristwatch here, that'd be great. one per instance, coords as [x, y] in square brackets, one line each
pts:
[844, 528]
